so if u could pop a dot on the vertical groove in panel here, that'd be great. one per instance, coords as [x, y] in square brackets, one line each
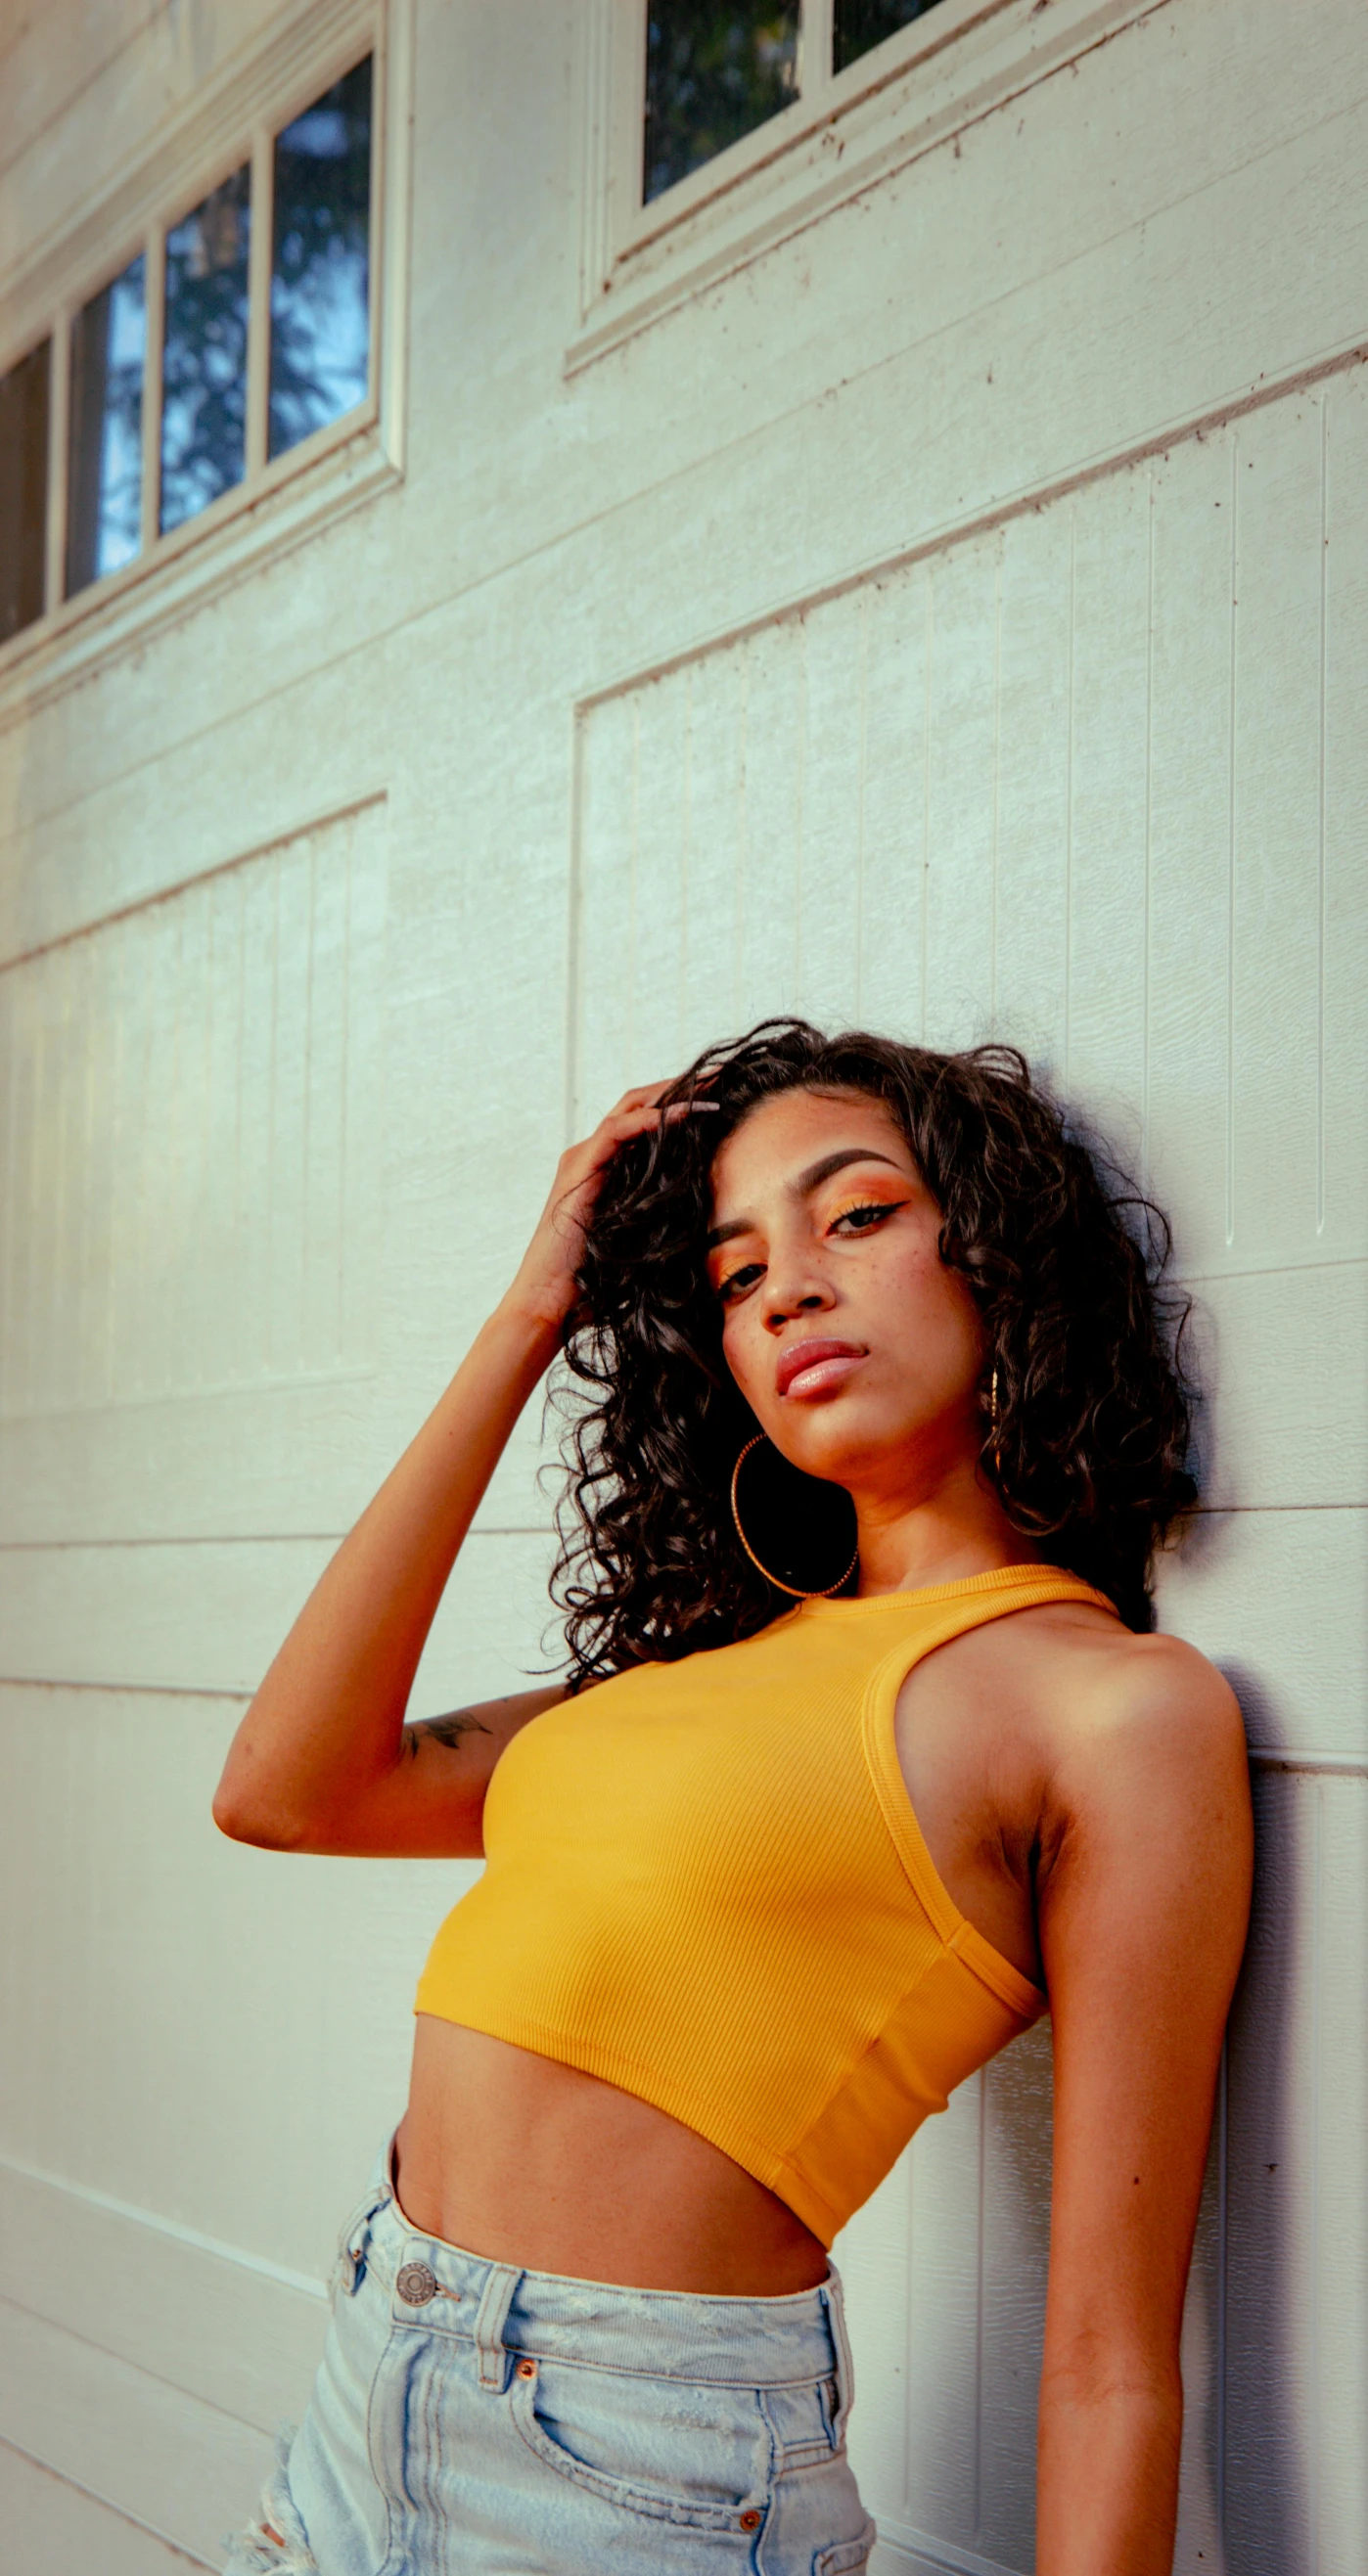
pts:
[862, 766]
[1320, 819]
[833, 818]
[33, 1242]
[574, 942]
[705, 981]
[174, 1171]
[136, 1304]
[1231, 845]
[1149, 840]
[9, 1193]
[271, 1107]
[114, 1125]
[997, 781]
[307, 1195]
[657, 961]
[774, 802]
[47, 1200]
[64, 1195]
[123, 1027]
[206, 1142]
[742, 754]
[1069, 787]
[57, 1194]
[1313, 2436]
[633, 870]
[344, 1086]
[926, 794]
[184, 1350]
[99, 1169]
[683, 1049]
[37, 1301]
[1345, 717]
[237, 951]
[604, 1049]
[7, 1130]
[800, 805]
[961, 735]
[27, 1045]
[234, 1351]
[79, 1250]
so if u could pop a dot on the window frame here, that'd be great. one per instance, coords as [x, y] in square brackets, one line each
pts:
[917, 89]
[333, 467]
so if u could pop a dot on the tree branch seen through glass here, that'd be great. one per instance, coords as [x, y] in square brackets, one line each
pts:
[204, 363]
[859, 25]
[320, 317]
[104, 458]
[712, 75]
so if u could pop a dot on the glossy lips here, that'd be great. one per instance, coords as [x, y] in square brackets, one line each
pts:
[816, 1367]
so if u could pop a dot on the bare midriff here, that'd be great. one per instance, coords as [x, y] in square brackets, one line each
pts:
[523, 2160]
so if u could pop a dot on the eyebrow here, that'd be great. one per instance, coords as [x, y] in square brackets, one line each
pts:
[800, 1188]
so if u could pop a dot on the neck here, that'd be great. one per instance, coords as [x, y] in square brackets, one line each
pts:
[956, 1530]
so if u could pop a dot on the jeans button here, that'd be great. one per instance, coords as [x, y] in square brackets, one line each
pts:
[416, 2283]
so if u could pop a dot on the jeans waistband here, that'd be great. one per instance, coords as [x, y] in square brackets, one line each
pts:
[506, 2310]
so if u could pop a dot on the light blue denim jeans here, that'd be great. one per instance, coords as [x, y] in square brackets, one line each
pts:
[471, 2419]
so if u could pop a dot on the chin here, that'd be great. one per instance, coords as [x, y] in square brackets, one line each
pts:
[837, 1449]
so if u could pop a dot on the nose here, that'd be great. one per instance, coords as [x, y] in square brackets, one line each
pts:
[797, 1292]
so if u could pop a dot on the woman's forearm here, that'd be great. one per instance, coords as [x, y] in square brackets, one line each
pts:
[328, 1718]
[1107, 2490]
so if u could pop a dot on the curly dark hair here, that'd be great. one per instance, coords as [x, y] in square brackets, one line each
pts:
[1066, 1263]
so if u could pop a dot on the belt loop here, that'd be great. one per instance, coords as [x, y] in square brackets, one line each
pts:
[834, 2303]
[491, 2317]
[349, 2270]
[353, 2244]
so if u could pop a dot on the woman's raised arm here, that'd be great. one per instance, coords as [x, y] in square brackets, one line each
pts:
[322, 1760]
[1144, 1898]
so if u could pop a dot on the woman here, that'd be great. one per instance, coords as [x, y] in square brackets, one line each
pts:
[866, 1751]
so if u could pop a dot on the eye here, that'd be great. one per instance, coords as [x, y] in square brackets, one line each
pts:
[740, 1280]
[866, 1214]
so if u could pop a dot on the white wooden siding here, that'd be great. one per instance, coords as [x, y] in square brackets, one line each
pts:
[160, 1235]
[956, 618]
[1094, 780]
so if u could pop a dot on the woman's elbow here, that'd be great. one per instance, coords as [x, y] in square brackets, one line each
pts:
[246, 1821]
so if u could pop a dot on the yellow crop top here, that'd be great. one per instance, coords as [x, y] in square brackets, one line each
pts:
[705, 1884]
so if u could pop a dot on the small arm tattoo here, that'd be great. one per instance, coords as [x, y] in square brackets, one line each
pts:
[444, 1730]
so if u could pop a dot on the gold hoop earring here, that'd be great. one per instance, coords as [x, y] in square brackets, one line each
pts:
[818, 1592]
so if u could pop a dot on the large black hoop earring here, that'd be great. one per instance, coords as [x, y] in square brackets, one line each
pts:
[796, 1592]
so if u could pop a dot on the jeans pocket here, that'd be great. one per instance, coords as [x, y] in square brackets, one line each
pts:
[848, 2557]
[615, 2443]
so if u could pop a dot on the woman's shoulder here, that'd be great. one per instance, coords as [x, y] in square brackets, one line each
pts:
[1116, 1705]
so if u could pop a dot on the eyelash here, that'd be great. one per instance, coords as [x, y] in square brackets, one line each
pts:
[867, 1207]
[858, 1207]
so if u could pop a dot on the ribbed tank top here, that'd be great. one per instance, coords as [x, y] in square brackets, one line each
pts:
[705, 1883]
